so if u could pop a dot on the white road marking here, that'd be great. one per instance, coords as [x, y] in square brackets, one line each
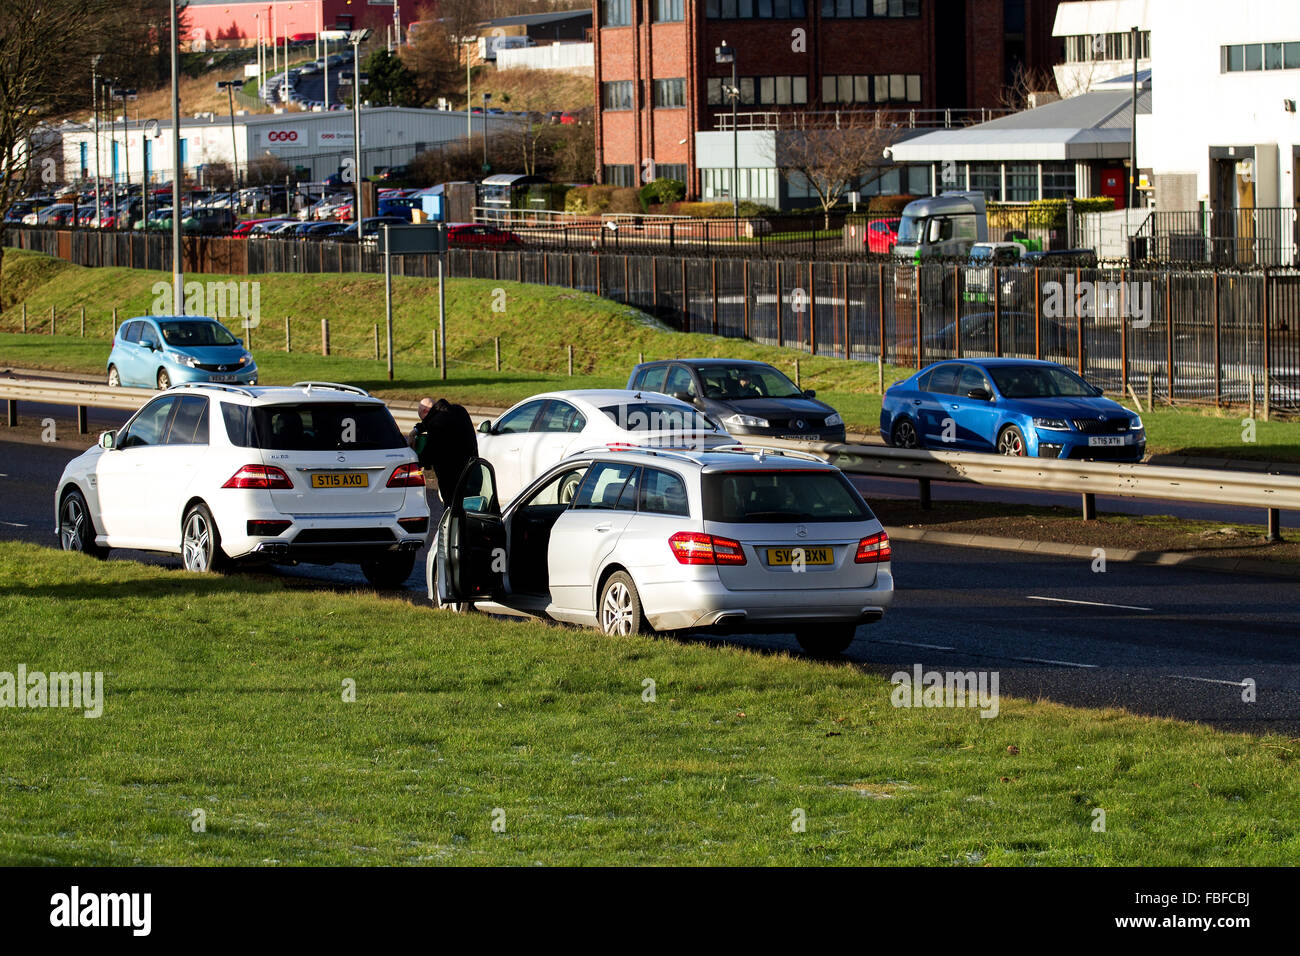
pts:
[1124, 607]
[1209, 680]
[1047, 660]
[928, 647]
[13, 524]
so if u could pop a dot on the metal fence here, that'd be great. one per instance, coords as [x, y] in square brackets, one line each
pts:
[1255, 237]
[1178, 335]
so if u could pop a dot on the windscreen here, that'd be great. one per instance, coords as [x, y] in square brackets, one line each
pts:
[731, 382]
[911, 229]
[1039, 381]
[312, 426]
[777, 496]
[194, 334]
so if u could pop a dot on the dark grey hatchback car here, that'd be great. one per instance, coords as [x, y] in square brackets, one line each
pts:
[745, 397]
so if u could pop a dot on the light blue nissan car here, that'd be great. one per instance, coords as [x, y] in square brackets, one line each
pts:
[163, 350]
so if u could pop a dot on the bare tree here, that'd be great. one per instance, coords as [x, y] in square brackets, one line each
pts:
[1025, 83]
[846, 154]
[434, 58]
[45, 52]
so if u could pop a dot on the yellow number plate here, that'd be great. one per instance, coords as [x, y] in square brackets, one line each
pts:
[782, 557]
[340, 479]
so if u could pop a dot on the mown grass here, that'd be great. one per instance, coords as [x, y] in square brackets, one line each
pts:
[226, 695]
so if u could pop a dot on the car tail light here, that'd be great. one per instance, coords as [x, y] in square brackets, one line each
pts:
[873, 549]
[259, 476]
[406, 476]
[695, 547]
[267, 529]
[414, 525]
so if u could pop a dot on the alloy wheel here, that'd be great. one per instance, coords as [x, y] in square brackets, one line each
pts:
[196, 543]
[616, 610]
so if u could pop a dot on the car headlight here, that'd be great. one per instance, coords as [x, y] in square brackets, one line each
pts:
[1052, 424]
[833, 419]
[245, 359]
[746, 421]
[186, 360]
[1135, 423]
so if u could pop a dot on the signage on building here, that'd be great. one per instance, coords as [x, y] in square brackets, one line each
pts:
[337, 138]
[281, 137]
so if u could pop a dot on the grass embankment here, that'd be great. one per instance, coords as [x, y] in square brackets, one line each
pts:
[535, 328]
[223, 696]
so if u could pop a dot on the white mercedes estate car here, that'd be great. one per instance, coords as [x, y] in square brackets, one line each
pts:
[637, 539]
[539, 431]
[315, 472]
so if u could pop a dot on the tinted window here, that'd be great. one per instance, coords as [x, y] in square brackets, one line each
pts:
[679, 380]
[657, 416]
[312, 426]
[238, 425]
[923, 381]
[560, 417]
[605, 484]
[943, 380]
[520, 420]
[971, 377]
[190, 334]
[1039, 381]
[663, 493]
[131, 332]
[652, 379]
[776, 496]
[148, 427]
[148, 335]
[190, 426]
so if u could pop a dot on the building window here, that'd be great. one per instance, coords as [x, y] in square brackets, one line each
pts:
[670, 94]
[987, 179]
[861, 9]
[889, 88]
[755, 9]
[669, 11]
[617, 95]
[1022, 182]
[670, 171]
[758, 185]
[1058, 180]
[897, 88]
[620, 175]
[615, 13]
[768, 90]
[1249, 57]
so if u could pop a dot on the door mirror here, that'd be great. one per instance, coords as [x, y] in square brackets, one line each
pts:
[684, 397]
[810, 393]
[485, 426]
[475, 504]
[1098, 391]
[108, 440]
[980, 394]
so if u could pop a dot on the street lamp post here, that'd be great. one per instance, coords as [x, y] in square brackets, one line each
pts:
[94, 99]
[178, 276]
[727, 54]
[114, 93]
[356, 38]
[486, 98]
[229, 87]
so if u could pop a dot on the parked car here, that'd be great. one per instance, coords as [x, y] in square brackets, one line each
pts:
[476, 234]
[745, 397]
[314, 473]
[880, 235]
[539, 431]
[1011, 407]
[635, 539]
[159, 351]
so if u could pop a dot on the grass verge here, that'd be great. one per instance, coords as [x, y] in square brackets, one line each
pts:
[223, 696]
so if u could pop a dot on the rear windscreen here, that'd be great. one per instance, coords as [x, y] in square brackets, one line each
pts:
[766, 496]
[308, 426]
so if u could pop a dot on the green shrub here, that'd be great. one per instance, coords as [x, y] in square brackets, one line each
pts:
[887, 205]
[1045, 213]
[661, 191]
[594, 200]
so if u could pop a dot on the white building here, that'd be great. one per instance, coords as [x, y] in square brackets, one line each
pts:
[320, 142]
[1099, 42]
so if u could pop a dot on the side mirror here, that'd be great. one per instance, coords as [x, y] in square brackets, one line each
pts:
[108, 440]
[1098, 391]
[684, 397]
[810, 393]
[239, 341]
[485, 426]
[980, 394]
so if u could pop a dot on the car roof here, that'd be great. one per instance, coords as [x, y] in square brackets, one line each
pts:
[597, 396]
[282, 394]
[988, 362]
[706, 361]
[712, 460]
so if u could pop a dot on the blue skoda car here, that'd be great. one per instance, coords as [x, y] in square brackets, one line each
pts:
[1011, 407]
[163, 350]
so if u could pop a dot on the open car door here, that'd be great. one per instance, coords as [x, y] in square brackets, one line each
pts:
[471, 555]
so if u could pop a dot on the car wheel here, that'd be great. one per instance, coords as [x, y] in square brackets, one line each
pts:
[201, 542]
[620, 606]
[904, 435]
[164, 380]
[1012, 442]
[827, 641]
[76, 530]
[114, 378]
[390, 571]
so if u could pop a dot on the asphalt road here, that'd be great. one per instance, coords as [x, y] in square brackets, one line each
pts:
[1164, 641]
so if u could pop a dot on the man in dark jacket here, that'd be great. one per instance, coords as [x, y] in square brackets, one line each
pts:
[445, 441]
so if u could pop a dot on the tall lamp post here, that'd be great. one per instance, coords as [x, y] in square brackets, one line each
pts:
[178, 276]
[486, 98]
[147, 132]
[229, 87]
[115, 93]
[356, 38]
[94, 106]
[727, 54]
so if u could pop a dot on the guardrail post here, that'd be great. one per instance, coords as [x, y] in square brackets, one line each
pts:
[924, 486]
[83, 425]
[325, 337]
[1274, 533]
[1089, 506]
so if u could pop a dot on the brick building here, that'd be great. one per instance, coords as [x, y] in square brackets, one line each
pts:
[660, 95]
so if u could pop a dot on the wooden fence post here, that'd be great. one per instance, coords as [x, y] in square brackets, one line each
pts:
[570, 361]
[324, 337]
[25, 317]
[288, 344]
[83, 321]
[496, 347]
[52, 320]
[375, 333]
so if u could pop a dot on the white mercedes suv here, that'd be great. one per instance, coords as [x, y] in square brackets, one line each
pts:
[631, 539]
[314, 472]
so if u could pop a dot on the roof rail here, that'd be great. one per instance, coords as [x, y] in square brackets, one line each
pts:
[342, 388]
[763, 450]
[237, 389]
[635, 449]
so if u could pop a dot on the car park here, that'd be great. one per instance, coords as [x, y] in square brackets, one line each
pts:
[475, 234]
[315, 473]
[541, 430]
[637, 539]
[159, 351]
[1019, 407]
[745, 397]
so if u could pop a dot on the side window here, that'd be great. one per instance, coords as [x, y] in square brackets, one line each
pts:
[663, 493]
[680, 380]
[943, 380]
[148, 335]
[971, 377]
[190, 424]
[237, 424]
[520, 420]
[560, 417]
[132, 332]
[923, 383]
[560, 490]
[150, 425]
[652, 380]
[604, 485]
